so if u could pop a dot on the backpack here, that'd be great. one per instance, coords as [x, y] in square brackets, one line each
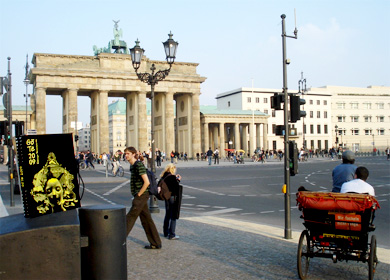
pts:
[153, 188]
[164, 192]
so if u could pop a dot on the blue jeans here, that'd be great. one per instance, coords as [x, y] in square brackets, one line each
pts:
[209, 158]
[170, 219]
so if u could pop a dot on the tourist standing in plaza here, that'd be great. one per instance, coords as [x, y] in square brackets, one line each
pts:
[139, 185]
[209, 154]
[172, 205]
[344, 172]
[216, 156]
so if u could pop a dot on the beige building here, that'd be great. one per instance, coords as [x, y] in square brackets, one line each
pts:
[362, 116]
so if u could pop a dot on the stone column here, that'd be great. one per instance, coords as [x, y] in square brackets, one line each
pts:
[103, 132]
[215, 136]
[222, 137]
[258, 144]
[40, 110]
[206, 137]
[244, 135]
[169, 130]
[237, 142]
[142, 123]
[265, 134]
[69, 112]
[131, 119]
[252, 139]
[196, 135]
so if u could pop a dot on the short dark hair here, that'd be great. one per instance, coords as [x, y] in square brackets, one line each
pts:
[362, 173]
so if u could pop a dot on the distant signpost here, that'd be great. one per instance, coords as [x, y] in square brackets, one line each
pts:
[31, 132]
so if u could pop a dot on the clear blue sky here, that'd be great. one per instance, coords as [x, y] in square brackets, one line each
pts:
[344, 43]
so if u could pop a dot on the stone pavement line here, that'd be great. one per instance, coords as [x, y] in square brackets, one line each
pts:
[265, 230]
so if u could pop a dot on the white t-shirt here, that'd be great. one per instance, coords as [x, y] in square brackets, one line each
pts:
[357, 186]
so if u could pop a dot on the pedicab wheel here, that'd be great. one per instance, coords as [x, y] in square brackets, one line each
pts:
[303, 255]
[372, 259]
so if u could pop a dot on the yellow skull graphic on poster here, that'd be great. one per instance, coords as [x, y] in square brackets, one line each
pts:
[53, 187]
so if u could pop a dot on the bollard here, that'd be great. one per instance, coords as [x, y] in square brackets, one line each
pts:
[45, 247]
[105, 257]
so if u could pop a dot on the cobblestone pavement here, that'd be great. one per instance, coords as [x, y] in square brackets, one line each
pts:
[221, 248]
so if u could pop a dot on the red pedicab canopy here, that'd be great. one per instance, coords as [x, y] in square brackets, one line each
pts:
[336, 201]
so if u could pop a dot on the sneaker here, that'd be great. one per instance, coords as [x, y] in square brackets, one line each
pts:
[173, 237]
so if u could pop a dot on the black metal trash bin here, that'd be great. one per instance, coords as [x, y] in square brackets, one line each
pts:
[105, 257]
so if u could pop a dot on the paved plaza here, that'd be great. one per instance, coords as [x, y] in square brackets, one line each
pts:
[212, 247]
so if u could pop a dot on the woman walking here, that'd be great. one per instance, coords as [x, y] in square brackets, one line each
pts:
[172, 205]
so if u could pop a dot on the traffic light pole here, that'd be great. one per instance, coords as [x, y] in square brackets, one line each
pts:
[287, 203]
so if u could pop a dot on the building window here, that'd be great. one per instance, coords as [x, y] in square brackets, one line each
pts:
[354, 119]
[273, 128]
[265, 100]
[318, 129]
[355, 131]
[311, 129]
[368, 131]
[311, 102]
[257, 99]
[366, 105]
[228, 103]
[273, 113]
[266, 111]
[326, 129]
[380, 105]
[318, 114]
[381, 118]
[341, 131]
[341, 119]
[304, 128]
[367, 118]
[312, 144]
[319, 144]
[354, 105]
[325, 102]
[311, 114]
[318, 102]
[325, 114]
[381, 131]
[340, 105]
[249, 100]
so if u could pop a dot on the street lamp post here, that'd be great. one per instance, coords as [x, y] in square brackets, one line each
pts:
[302, 82]
[335, 131]
[26, 82]
[152, 79]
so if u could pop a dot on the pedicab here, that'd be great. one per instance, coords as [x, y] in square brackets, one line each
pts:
[337, 227]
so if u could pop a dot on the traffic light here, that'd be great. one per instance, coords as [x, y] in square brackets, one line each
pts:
[18, 129]
[293, 157]
[4, 91]
[295, 108]
[276, 101]
[76, 138]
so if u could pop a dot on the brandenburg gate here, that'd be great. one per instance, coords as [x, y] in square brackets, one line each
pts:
[111, 75]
